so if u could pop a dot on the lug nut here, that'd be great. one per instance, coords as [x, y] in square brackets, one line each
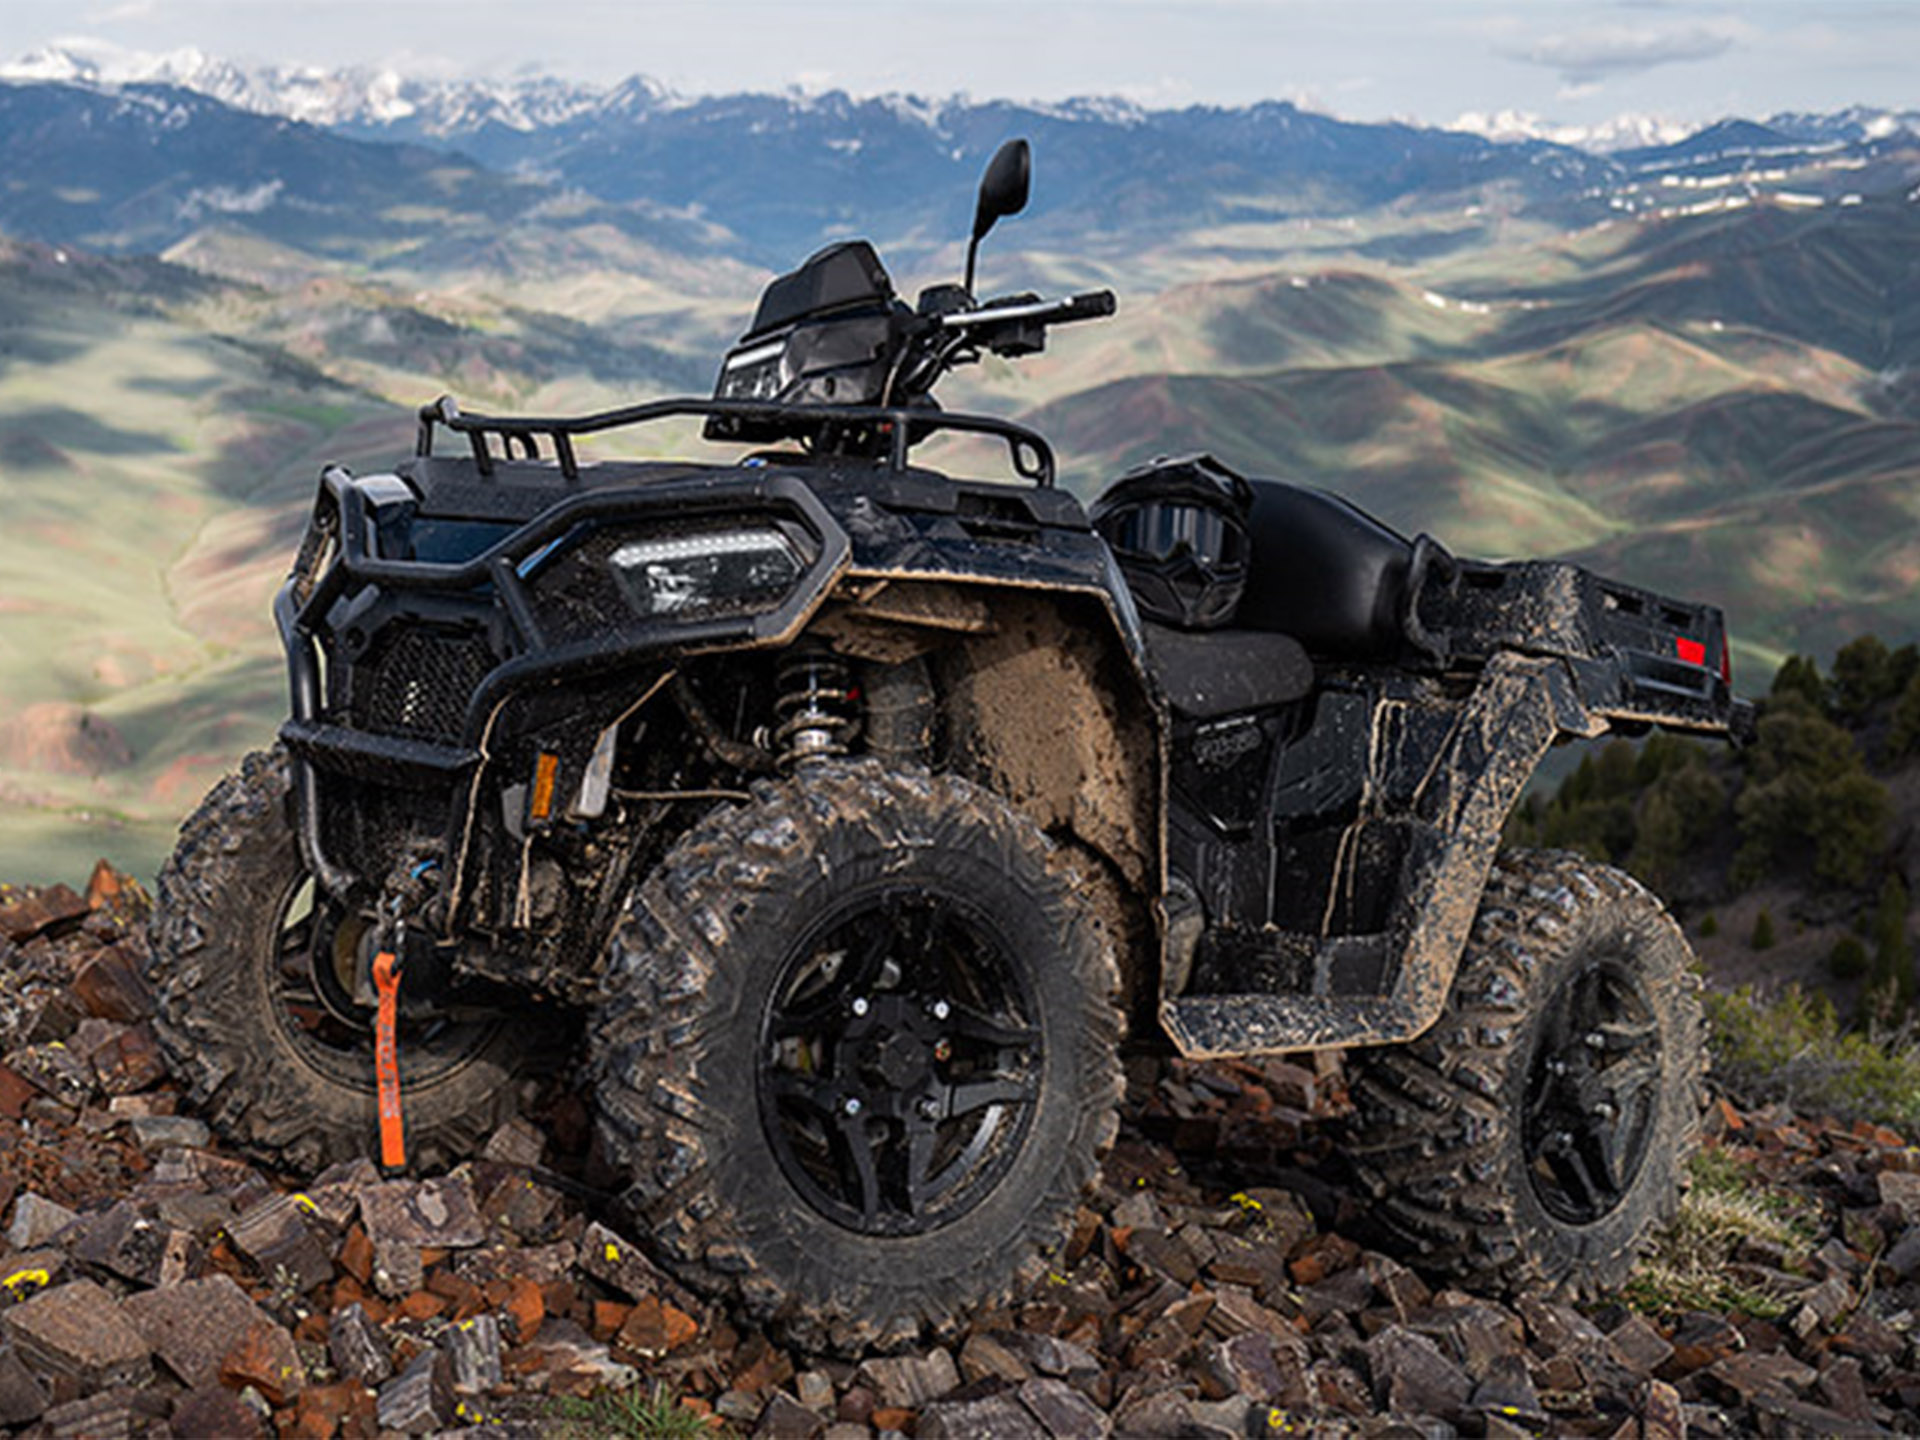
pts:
[1596, 1040]
[928, 1110]
[1604, 1111]
[860, 1006]
[941, 1010]
[851, 1106]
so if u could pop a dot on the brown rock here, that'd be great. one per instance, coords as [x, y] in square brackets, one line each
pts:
[22, 1397]
[1740, 1378]
[619, 1264]
[135, 1246]
[991, 1417]
[276, 1236]
[1064, 1412]
[1661, 1415]
[983, 1356]
[1245, 1365]
[1412, 1376]
[108, 1415]
[654, 1328]
[519, 1143]
[1505, 1391]
[524, 1307]
[41, 912]
[1901, 1189]
[416, 1402]
[1699, 1341]
[323, 1411]
[1162, 1254]
[784, 1418]
[216, 1413]
[1640, 1345]
[194, 1326]
[16, 1092]
[108, 984]
[267, 1360]
[1844, 1388]
[428, 1214]
[77, 1331]
[356, 1348]
[472, 1348]
[37, 1220]
[909, 1381]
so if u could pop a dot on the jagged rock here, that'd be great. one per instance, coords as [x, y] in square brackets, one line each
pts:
[275, 1236]
[134, 1246]
[1412, 1376]
[355, 1348]
[195, 1325]
[472, 1348]
[415, 1402]
[36, 1220]
[910, 1381]
[991, 1417]
[23, 1397]
[77, 1331]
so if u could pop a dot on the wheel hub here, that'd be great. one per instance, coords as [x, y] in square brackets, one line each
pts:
[1593, 1092]
[899, 1069]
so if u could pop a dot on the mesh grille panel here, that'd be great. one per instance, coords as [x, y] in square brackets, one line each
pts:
[421, 682]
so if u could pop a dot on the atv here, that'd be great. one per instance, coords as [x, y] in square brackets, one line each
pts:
[842, 816]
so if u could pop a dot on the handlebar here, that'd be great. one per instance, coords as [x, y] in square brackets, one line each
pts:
[1092, 306]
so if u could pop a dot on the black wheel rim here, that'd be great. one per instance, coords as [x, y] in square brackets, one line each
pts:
[1593, 1092]
[310, 976]
[899, 1062]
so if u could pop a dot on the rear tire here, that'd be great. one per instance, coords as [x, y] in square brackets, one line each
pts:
[231, 966]
[1537, 1134]
[859, 1058]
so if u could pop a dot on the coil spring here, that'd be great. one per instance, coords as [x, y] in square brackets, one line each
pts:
[816, 708]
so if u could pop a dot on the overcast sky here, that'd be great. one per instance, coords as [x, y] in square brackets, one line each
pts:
[1577, 61]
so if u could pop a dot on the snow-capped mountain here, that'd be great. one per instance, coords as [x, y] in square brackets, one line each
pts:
[1622, 132]
[355, 97]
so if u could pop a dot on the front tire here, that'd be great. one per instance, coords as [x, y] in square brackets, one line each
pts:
[246, 965]
[859, 1056]
[1537, 1134]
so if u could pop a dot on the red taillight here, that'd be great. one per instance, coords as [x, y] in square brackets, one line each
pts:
[1726, 660]
[1691, 651]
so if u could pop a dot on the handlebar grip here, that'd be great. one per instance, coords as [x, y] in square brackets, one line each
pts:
[1094, 305]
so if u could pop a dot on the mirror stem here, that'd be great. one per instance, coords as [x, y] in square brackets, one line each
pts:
[973, 249]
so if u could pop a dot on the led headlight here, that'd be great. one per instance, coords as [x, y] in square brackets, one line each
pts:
[682, 576]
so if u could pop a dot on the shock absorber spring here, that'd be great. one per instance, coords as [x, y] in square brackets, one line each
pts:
[817, 708]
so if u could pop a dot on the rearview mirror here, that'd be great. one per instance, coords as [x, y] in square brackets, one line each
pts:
[1003, 191]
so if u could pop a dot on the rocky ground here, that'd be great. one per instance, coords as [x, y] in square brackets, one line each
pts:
[152, 1282]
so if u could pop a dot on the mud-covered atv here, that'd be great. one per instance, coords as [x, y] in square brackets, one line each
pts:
[859, 811]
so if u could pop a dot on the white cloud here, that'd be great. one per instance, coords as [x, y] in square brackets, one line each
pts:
[1587, 57]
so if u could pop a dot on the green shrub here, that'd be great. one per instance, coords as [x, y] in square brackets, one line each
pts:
[1709, 925]
[1848, 958]
[1790, 1046]
[1762, 937]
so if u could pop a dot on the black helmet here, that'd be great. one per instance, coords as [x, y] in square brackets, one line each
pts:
[1179, 530]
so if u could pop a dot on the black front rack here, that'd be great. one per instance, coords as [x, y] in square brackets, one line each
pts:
[899, 429]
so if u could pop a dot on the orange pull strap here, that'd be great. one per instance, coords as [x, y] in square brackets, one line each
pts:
[386, 1061]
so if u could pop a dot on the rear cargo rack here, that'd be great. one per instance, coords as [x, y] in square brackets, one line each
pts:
[900, 429]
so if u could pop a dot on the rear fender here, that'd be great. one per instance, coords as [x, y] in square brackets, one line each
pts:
[1519, 707]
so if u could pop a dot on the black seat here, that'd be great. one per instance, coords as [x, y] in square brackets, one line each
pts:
[1325, 572]
[1209, 673]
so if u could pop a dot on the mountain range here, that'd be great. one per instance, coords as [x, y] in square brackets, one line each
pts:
[1692, 364]
[781, 173]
